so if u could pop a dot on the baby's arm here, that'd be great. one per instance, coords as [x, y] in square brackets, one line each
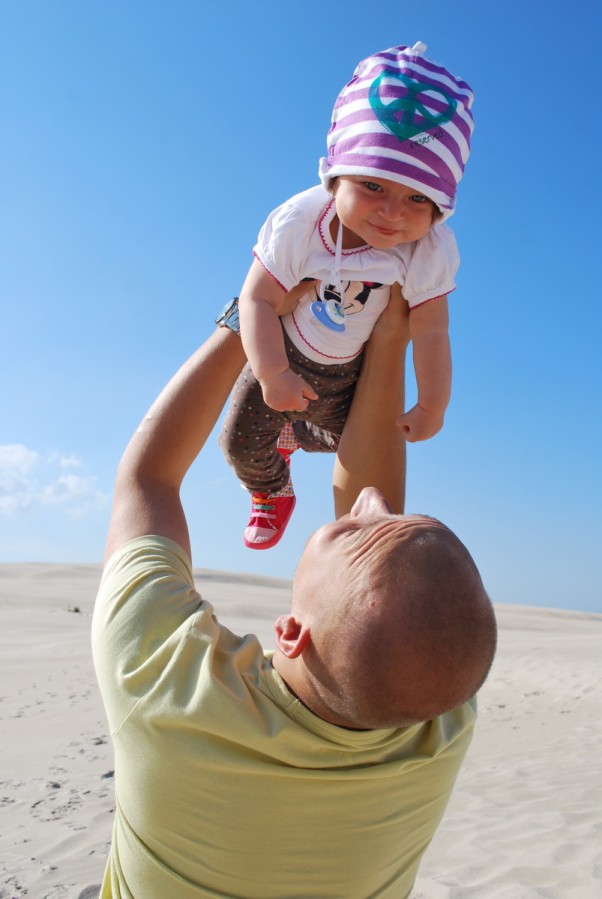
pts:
[432, 364]
[261, 301]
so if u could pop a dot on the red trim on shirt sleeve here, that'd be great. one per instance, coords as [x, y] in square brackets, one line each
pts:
[430, 299]
[261, 262]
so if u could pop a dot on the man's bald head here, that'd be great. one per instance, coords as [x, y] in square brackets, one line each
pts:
[401, 627]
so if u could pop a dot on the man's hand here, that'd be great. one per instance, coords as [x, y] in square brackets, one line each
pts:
[419, 424]
[393, 324]
[287, 392]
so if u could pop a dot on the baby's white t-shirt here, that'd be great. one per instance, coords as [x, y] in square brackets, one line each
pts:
[295, 244]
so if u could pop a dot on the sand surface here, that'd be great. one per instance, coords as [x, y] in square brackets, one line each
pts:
[525, 820]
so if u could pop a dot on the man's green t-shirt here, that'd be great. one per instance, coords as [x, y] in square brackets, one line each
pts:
[226, 785]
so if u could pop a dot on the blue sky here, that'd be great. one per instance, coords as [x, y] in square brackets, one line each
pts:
[143, 143]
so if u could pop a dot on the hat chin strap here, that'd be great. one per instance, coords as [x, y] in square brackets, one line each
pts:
[336, 269]
[331, 313]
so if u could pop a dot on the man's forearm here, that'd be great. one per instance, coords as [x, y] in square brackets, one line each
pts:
[372, 451]
[174, 430]
[168, 441]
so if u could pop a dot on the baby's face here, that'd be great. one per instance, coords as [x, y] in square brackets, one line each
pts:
[380, 212]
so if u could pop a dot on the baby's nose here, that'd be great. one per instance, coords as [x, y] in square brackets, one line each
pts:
[392, 208]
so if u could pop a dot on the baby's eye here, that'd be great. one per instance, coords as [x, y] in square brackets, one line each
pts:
[372, 185]
[419, 198]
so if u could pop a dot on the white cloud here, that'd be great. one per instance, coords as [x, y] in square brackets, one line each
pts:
[70, 462]
[16, 464]
[30, 480]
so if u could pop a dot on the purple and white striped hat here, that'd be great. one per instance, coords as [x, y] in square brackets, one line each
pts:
[404, 118]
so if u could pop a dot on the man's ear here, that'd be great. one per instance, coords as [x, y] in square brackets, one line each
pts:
[291, 636]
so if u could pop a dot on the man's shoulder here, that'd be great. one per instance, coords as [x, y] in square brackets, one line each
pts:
[147, 553]
[137, 581]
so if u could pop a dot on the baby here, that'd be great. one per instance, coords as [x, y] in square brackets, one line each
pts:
[397, 146]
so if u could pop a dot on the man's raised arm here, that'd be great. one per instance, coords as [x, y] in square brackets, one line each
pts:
[168, 440]
[372, 451]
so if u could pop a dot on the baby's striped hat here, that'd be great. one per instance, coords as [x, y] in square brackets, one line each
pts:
[404, 118]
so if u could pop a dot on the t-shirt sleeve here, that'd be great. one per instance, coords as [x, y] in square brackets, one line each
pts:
[146, 603]
[284, 239]
[432, 269]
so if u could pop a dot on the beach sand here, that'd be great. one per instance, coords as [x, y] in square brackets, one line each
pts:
[525, 820]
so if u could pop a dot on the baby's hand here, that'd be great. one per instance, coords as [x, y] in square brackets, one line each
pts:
[419, 424]
[287, 392]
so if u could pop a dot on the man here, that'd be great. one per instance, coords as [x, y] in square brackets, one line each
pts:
[324, 769]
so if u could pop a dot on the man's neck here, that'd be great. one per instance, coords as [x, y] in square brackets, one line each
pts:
[297, 681]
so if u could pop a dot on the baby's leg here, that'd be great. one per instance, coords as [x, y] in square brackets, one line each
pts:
[249, 438]
[313, 439]
[319, 428]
